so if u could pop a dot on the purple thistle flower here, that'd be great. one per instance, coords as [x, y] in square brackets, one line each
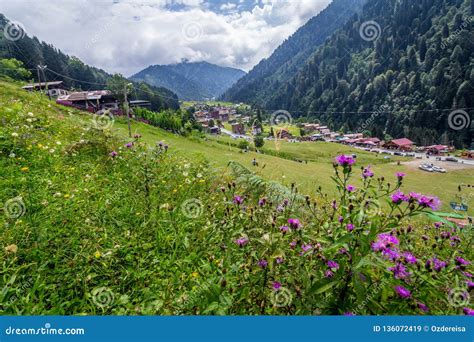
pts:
[137, 136]
[422, 307]
[348, 313]
[340, 219]
[400, 175]
[280, 208]
[334, 204]
[328, 274]
[438, 224]
[279, 260]
[262, 202]
[129, 145]
[403, 292]
[332, 264]
[276, 285]
[305, 248]
[241, 241]
[367, 173]
[344, 160]
[399, 271]
[467, 274]
[398, 197]
[113, 154]
[470, 284]
[391, 254]
[284, 229]
[438, 265]
[285, 202]
[262, 263]
[461, 261]
[429, 202]
[292, 244]
[384, 240]
[237, 200]
[294, 223]
[350, 227]
[350, 188]
[468, 311]
[409, 258]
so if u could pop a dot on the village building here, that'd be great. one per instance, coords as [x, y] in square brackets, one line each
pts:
[403, 144]
[238, 128]
[283, 133]
[91, 101]
[52, 89]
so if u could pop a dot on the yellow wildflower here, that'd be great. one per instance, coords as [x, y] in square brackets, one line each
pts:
[11, 249]
[195, 274]
[25, 169]
[97, 255]
[66, 196]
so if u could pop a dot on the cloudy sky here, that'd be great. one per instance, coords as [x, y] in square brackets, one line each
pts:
[128, 35]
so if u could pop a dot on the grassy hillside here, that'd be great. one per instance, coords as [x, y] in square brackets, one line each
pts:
[96, 223]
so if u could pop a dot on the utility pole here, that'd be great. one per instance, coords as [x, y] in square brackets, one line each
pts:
[39, 78]
[42, 67]
[125, 106]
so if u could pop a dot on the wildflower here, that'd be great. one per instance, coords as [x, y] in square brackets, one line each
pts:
[340, 219]
[350, 227]
[276, 285]
[422, 307]
[25, 169]
[460, 261]
[97, 254]
[285, 202]
[30, 114]
[470, 284]
[328, 274]
[262, 263]
[58, 143]
[66, 196]
[237, 200]
[467, 274]
[294, 223]
[194, 274]
[306, 247]
[280, 208]
[293, 244]
[279, 260]
[332, 264]
[350, 188]
[410, 258]
[400, 175]
[11, 249]
[468, 311]
[438, 224]
[398, 197]
[14, 134]
[399, 271]
[241, 241]
[367, 173]
[129, 145]
[137, 136]
[344, 160]
[391, 254]
[284, 229]
[438, 265]
[402, 292]
[52, 150]
[384, 241]
[334, 205]
[429, 201]
[348, 313]
[113, 154]
[12, 155]
[262, 202]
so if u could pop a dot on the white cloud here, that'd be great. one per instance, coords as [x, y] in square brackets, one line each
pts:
[128, 35]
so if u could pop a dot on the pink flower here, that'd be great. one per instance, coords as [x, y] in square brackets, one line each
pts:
[344, 160]
[350, 227]
[294, 223]
[367, 172]
[241, 241]
[350, 188]
[332, 265]
[284, 229]
[237, 200]
[403, 292]
[129, 145]
[398, 197]
[113, 154]
[400, 175]
[468, 311]
[262, 263]
[276, 285]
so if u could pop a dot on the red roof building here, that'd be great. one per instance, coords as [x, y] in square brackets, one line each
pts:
[400, 144]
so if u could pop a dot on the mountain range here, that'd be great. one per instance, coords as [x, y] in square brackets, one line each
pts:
[274, 71]
[191, 80]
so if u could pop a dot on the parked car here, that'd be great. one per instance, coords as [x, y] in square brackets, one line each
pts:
[426, 167]
[438, 169]
[451, 159]
[398, 153]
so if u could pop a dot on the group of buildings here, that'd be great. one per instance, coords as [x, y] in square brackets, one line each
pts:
[91, 101]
